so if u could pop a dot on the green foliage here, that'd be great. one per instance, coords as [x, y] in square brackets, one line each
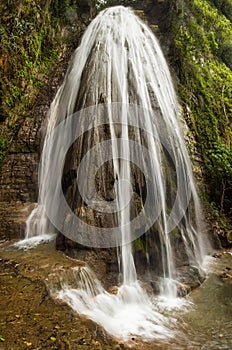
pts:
[28, 52]
[221, 156]
[202, 36]
[25, 37]
[220, 169]
[139, 245]
[34, 35]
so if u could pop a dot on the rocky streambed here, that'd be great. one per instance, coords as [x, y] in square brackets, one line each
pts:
[31, 318]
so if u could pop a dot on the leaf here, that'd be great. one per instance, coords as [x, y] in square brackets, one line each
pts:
[1, 338]
[27, 343]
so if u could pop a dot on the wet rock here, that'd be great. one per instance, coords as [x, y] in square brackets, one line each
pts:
[190, 276]
[113, 290]
[217, 255]
[229, 236]
[147, 286]
[119, 347]
[13, 216]
[225, 275]
[183, 290]
[155, 284]
[214, 239]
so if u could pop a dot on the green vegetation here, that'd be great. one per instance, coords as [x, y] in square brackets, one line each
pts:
[220, 157]
[32, 41]
[202, 53]
[27, 52]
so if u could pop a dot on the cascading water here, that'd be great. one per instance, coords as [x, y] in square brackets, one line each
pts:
[119, 70]
[38, 226]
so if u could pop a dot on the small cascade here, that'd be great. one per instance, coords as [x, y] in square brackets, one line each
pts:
[136, 170]
[127, 314]
[38, 223]
[38, 226]
[80, 278]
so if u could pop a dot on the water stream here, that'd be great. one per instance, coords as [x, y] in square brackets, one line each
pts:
[119, 77]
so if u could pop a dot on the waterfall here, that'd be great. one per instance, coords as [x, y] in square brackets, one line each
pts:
[119, 85]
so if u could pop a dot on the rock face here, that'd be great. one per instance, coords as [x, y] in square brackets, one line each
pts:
[19, 178]
[13, 216]
[24, 133]
[19, 171]
[18, 185]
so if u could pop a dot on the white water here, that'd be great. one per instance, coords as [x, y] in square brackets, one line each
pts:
[124, 62]
[129, 314]
[38, 227]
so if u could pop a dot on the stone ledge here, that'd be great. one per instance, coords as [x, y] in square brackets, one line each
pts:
[13, 218]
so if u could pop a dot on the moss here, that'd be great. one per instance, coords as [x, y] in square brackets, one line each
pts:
[32, 41]
[201, 54]
[139, 245]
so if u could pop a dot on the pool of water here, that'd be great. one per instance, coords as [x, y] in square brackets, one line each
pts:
[205, 322]
[209, 323]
